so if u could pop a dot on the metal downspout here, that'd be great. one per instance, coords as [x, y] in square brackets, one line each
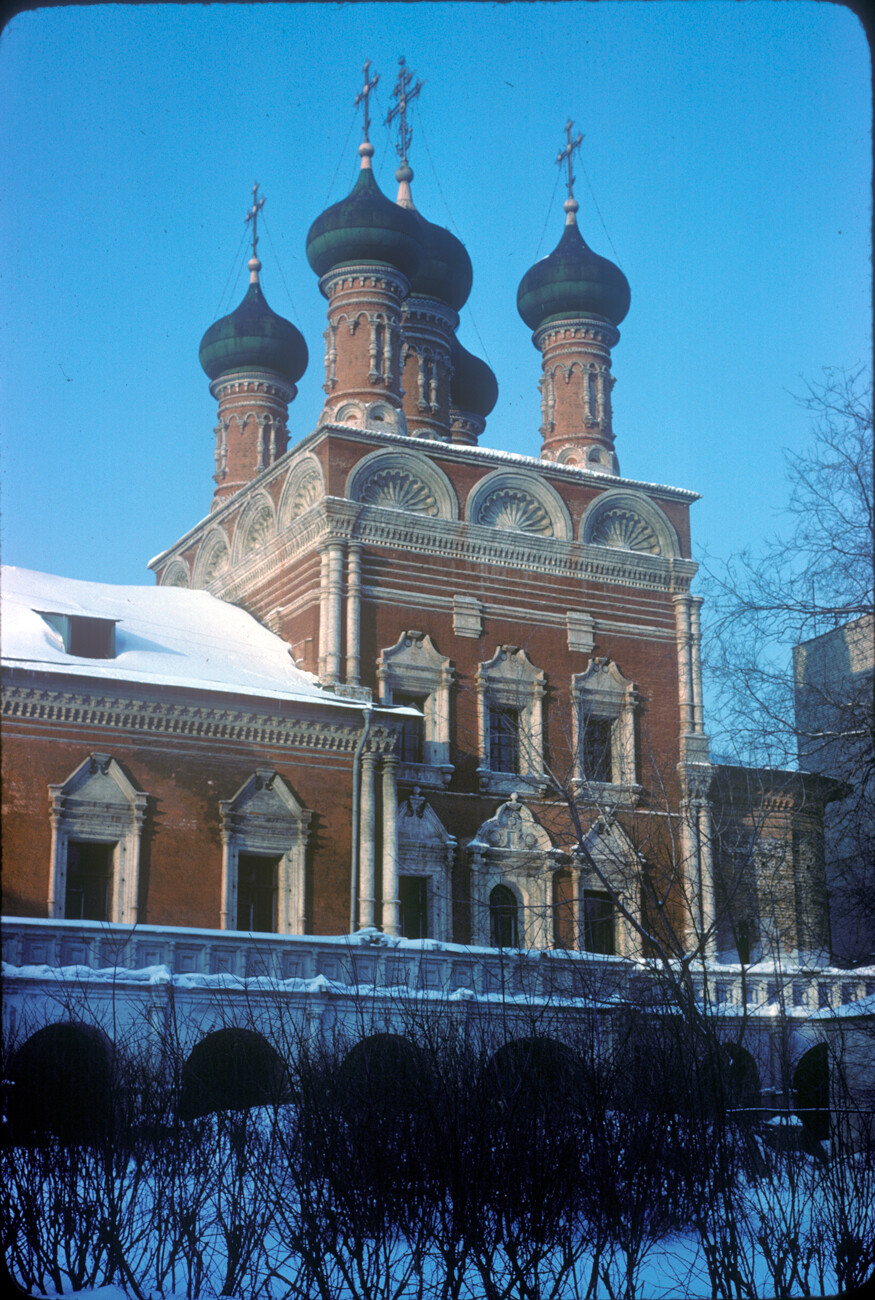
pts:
[356, 787]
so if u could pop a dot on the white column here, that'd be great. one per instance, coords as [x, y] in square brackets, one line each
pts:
[323, 610]
[391, 902]
[353, 614]
[58, 872]
[696, 603]
[685, 685]
[227, 919]
[334, 612]
[706, 876]
[367, 845]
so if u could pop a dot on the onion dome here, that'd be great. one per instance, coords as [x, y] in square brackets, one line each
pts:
[365, 227]
[572, 281]
[473, 386]
[445, 272]
[254, 338]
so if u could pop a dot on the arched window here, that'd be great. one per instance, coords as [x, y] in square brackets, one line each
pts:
[503, 920]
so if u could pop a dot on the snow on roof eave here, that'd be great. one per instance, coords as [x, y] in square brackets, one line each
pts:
[455, 451]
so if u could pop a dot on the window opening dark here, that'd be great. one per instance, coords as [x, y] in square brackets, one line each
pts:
[256, 893]
[598, 922]
[413, 893]
[89, 873]
[595, 749]
[504, 739]
[411, 740]
[83, 636]
[503, 918]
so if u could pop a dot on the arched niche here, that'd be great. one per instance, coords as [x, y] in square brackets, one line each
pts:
[232, 1069]
[62, 1085]
[403, 480]
[213, 558]
[304, 486]
[628, 521]
[518, 502]
[514, 851]
[176, 574]
[255, 526]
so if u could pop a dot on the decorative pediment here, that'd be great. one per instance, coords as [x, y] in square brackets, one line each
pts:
[519, 503]
[415, 662]
[628, 521]
[610, 847]
[603, 678]
[513, 829]
[510, 674]
[97, 784]
[419, 824]
[403, 481]
[264, 804]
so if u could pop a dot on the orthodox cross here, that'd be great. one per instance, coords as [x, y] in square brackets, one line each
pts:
[403, 95]
[252, 215]
[363, 96]
[564, 155]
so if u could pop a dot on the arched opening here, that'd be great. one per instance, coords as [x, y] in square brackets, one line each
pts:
[61, 1084]
[811, 1091]
[743, 1079]
[503, 918]
[534, 1079]
[384, 1069]
[232, 1069]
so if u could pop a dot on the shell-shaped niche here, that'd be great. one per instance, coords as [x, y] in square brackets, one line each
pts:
[625, 530]
[398, 489]
[403, 481]
[213, 558]
[176, 574]
[256, 527]
[515, 511]
[304, 486]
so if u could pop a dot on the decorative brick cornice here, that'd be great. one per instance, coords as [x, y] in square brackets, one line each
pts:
[183, 719]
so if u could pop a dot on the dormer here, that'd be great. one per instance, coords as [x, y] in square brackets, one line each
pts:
[83, 635]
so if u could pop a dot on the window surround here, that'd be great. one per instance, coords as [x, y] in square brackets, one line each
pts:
[265, 819]
[510, 680]
[413, 666]
[98, 804]
[603, 693]
[512, 849]
[619, 871]
[427, 850]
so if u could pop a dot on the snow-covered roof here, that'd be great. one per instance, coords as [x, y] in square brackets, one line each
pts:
[164, 635]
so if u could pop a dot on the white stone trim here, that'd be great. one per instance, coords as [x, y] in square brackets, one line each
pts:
[510, 678]
[256, 526]
[98, 804]
[603, 692]
[637, 509]
[213, 558]
[620, 866]
[425, 848]
[537, 499]
[303, 488]
[514, 850]
[414, 666]
[467, 616]
[264, 817]
[418, 481]
[581, 631]
[176, 574]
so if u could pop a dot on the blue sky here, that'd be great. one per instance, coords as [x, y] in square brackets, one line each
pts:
[725, 167]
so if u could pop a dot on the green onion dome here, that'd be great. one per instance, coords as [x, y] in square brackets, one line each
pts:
[365, 227]
[572, 281]
[254, 338]
[473, 386]
[445, 272]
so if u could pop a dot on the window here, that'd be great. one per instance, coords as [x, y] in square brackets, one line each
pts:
[84, 636]
[598, 922]
[412, 672]
[411, 740]
[264, 857]
[596, 743]
[503, 923]
[413, 893]
[256, 893]
[98, 817]
[604, 707]
[89, 878]
[510, 693]
[504, 738]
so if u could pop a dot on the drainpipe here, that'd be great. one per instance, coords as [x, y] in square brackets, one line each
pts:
[356, 787]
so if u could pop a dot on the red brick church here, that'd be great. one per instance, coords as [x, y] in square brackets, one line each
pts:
[396, 678]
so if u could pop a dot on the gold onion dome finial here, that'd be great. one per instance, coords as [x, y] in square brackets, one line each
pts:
[445, 273]
[573, 280]
[365, 226]
[253, 337]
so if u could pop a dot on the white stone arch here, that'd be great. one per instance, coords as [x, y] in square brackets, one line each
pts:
[256, 526]
[427, 850]
[519, 502]
[350, 412]
[619, 872]
[265, 819]
[304, 486]
[98, 804]
[514, 850]
[213, 557]
[403, 480]
[176, 574]
[628, 521]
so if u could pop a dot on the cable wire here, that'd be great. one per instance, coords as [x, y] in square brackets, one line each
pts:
[279, 267]
[235, 268]
[599, 211]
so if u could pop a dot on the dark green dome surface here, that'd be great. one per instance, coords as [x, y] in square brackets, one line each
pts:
[572, 281]
[473, 386]
[254, 337]
[445, 272]
[365, 227]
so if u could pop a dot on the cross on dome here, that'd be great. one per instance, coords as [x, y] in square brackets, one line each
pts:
[564, 156]
[403, 94]
[363, 97]
[252, 215]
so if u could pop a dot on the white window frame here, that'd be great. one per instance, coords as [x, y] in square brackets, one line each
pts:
[510, 680]
[513, 849]
[413, 666]
[265, 819]
[603, 692]
[98, 804]
[427, 850]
